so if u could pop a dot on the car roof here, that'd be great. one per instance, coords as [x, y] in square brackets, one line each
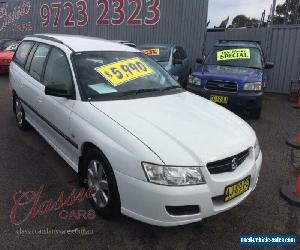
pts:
[128, 43]
[122, 41]
[83, 43]
[248, 44]
[156, 45]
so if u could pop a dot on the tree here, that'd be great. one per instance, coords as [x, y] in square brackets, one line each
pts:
[242, 21]
[288, 12]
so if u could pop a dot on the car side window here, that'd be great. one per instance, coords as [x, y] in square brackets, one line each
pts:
[38, 61]
[22, 53]
[176, 54]
[180, 53]
[30, 56]
[183, 53]
[58, 69]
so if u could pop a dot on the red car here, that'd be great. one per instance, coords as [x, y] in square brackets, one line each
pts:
[6, 55]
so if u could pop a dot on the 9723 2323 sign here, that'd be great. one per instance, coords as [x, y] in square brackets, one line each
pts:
[109, 12]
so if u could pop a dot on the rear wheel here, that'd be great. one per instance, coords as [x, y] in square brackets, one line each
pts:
[100, 178]
[20, 115]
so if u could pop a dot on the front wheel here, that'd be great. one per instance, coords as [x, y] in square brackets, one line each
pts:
[100, 178]
[20, 115]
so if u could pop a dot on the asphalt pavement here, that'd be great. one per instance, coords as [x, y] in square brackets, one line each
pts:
[31, 170]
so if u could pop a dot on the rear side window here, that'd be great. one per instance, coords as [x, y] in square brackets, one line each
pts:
[38, 61]
[22, 53]
[30, 56]
[57, 70]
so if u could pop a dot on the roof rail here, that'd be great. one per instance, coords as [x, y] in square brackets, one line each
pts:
[52, 39]
[251, 41]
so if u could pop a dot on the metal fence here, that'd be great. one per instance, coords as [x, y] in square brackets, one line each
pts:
[281, 45]
[141, 21]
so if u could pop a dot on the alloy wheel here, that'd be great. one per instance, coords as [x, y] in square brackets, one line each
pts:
[19, 112]
[97, 181]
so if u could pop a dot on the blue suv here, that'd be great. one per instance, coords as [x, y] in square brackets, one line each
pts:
[233, 75]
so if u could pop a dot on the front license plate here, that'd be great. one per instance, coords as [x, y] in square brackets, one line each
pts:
[219, 99]
[237, 189]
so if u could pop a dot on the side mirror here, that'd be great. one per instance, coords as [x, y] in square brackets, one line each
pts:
[269, 65]
[199, 60]
[59, 91]
[177, 61]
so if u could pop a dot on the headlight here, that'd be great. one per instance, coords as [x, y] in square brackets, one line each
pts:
[173, 176]
[253, 86]
[194, 80]
[256, 149]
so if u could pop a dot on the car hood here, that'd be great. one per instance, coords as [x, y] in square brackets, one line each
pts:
[232, 74]
[182, 129]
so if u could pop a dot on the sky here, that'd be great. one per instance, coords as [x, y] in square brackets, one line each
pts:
[219, 10]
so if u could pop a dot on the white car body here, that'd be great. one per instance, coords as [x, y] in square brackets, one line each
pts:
[175, 130]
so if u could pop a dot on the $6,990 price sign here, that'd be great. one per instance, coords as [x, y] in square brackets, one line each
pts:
[110, 12]
[121, 72]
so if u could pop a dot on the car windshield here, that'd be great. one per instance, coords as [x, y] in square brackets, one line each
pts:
[159, 54]
[235, 57]
[120, 74]
[9, 45]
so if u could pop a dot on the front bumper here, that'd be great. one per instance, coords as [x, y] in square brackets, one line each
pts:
[237, 101]
[147, 202]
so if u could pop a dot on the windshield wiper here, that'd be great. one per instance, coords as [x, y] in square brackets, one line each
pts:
[141, 91]
[170, 88]
[254, 68]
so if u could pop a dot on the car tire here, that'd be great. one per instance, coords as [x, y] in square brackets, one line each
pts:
[255, 114]
[20, 115]
[99, 176]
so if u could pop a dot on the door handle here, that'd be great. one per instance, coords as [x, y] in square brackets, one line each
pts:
[40, 100]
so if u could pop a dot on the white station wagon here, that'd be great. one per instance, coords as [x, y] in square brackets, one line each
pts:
[148, 148]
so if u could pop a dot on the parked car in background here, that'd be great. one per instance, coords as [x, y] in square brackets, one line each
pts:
[3, 41]
[233, 75]
[128, 43]
[6, 55]
[140, 143]
[172, 57]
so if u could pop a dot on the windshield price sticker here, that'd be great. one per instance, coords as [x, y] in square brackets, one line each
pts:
[152, 52]
[120, 72]
[233, 54]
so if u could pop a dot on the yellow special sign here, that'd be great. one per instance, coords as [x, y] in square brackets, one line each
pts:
[152, 52]
[120, 72]
[233, 54]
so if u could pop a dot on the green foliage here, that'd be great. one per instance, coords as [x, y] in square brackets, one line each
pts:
[288, 13]
[242, 21]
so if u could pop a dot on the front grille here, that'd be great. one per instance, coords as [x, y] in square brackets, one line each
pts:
[225, 165]
[221, 86]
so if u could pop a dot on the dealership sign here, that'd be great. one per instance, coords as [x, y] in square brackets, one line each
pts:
[72, 14]
[11, 18]
[109, 12]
